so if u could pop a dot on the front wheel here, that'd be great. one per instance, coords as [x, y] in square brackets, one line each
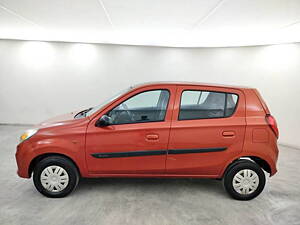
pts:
[55, 176]
[244, 180]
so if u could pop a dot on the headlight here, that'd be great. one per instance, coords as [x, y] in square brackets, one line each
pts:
[27, 134]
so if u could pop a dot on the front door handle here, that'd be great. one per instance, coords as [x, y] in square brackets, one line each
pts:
[152, 137]
[228, 133]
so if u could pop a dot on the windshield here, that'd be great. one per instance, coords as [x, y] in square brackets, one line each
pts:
[96, 108]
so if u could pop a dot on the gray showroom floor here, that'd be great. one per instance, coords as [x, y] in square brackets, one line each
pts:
[146, 201]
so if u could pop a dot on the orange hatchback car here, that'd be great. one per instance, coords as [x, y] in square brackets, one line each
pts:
[171, 130]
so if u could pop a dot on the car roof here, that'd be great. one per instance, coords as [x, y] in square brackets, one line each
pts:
[188, 83]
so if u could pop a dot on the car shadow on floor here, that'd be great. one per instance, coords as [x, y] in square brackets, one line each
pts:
[153, 185]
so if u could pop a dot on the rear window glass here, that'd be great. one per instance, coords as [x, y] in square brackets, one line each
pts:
[206, 104]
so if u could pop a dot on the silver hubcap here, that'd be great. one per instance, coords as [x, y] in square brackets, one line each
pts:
[54, 178]
[245, 182]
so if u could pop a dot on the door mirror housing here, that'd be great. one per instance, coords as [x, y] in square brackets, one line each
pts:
[104, 121]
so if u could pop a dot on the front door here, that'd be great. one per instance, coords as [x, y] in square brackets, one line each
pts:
[207, 130]
[137, 139]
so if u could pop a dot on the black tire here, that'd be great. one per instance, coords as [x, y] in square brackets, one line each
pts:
[62, 162]
[238, 167]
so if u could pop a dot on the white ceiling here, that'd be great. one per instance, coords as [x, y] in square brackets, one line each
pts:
[179, 23]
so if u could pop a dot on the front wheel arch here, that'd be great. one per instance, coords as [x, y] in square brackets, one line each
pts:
[38, 158]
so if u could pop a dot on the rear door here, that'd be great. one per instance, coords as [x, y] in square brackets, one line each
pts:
[208, 127]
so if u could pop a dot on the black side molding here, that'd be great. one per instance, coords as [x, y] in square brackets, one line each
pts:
[129, 154]
[155, 152]
[199, 150]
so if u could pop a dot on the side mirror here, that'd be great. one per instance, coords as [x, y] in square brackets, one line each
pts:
[104, 121]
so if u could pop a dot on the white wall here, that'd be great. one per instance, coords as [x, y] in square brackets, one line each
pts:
[41, 80]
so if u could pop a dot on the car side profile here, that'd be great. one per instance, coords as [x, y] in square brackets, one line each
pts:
[163, 130]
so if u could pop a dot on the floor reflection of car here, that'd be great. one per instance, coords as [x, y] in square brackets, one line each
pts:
[166, 130]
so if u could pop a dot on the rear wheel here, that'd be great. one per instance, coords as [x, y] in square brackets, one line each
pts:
[55, 176]
[244, 180]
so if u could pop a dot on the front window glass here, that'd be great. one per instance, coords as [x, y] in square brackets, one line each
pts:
[149, 106]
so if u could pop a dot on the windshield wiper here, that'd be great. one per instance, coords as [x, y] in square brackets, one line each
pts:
[82, 113]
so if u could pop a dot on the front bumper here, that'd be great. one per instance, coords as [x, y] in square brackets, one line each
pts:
[23, 158]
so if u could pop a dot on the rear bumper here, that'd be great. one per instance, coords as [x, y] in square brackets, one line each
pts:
[274, 160]
[273, 172]
[273, 168]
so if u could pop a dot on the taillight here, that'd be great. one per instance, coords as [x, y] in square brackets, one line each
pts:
[272, 123]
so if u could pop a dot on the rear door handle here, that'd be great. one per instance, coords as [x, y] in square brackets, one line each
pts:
[228, 133]
[152, 137]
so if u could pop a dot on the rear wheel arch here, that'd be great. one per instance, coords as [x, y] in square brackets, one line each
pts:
[262, 163]
[259, 161]
[38, 158]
